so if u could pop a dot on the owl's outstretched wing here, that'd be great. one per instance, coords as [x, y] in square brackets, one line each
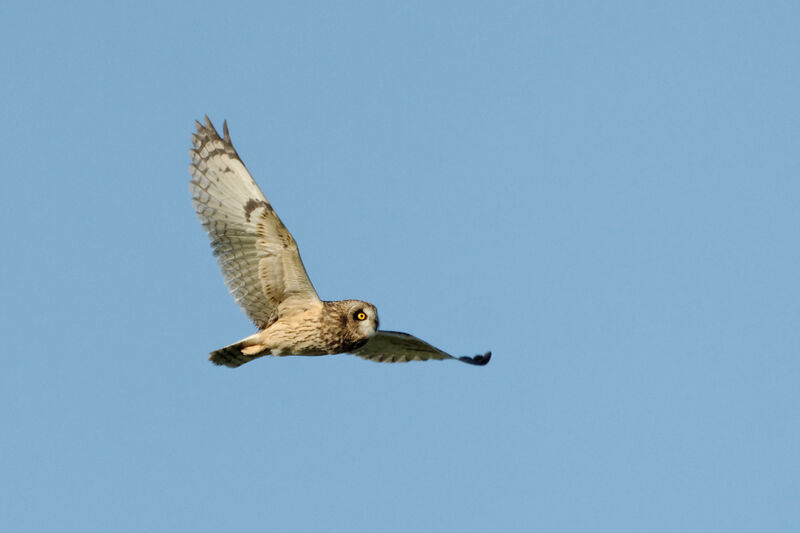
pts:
[258, 256]
[397, 347]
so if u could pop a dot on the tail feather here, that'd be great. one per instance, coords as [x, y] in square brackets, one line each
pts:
[232, 356]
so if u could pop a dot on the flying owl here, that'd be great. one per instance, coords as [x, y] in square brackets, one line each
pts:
[263, 270]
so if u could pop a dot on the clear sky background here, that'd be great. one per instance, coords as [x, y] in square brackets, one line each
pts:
[605, 194]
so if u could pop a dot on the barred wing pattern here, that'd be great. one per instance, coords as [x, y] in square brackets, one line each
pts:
[397, 347]
[258, 256]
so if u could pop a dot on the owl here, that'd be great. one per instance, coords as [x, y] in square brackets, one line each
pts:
[263, 270]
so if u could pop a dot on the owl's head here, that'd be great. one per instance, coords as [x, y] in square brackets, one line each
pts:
[362, 318]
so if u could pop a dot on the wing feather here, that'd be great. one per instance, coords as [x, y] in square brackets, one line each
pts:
[258, 256]
[398, 347]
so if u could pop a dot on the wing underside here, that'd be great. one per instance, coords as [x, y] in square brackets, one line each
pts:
[258, 256]
[398, 347]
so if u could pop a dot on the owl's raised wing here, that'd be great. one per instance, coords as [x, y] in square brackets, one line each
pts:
[397, 347]
[258, 256]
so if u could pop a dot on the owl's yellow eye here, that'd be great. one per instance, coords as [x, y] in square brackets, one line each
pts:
[360, 315]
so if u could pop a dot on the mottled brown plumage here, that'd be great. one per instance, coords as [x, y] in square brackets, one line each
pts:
[262, 268]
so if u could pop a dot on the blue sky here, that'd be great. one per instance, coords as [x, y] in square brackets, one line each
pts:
[605, 194]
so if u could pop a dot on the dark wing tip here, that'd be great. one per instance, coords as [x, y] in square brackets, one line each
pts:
[478, 360]
[207, 132]
[226, 134]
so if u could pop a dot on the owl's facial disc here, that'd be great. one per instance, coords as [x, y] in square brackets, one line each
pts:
[364, 318]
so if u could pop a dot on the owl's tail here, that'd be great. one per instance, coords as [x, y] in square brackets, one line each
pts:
[237, 354]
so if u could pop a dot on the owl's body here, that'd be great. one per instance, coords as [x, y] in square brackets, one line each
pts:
[324, 328]
[261, 265]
